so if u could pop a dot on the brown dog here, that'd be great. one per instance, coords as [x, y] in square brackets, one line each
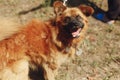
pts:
[44, 44]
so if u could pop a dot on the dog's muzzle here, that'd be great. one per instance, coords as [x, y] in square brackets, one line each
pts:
[74, 28]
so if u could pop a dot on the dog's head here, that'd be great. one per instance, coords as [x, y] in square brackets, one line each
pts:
[71, 21]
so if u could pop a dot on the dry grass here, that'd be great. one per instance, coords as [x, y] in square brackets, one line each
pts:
[101, 48]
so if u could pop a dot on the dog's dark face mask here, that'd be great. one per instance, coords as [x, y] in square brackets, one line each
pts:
[73, 25]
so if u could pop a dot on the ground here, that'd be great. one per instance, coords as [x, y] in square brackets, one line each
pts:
[100, 58]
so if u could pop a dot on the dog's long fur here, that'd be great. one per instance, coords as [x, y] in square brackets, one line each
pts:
[41, 43]
[8, 27]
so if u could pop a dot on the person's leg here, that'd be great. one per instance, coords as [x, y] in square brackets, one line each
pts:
[113, 9]
[112, 14]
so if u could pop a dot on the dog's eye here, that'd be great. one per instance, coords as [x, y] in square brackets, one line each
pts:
[67, 19]
[79, 18]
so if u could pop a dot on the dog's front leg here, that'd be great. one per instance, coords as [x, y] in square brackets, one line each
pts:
[48, 72]
[16, 71]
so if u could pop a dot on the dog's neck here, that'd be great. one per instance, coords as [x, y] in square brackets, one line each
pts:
[63, 40]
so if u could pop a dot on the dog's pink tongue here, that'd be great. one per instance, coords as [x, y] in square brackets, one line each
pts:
[76, 33]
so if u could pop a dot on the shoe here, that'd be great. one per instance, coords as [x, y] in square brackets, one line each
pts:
[111, 22]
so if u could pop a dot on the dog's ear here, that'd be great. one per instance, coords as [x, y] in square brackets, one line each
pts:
[87, 10]
[58, 7]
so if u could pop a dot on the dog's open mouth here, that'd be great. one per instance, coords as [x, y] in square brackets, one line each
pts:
[76, 33]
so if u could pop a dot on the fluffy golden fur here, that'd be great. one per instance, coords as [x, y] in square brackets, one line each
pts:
[44, 44]
[8, 27]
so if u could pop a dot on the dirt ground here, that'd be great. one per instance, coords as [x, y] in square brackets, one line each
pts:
[100, 58]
